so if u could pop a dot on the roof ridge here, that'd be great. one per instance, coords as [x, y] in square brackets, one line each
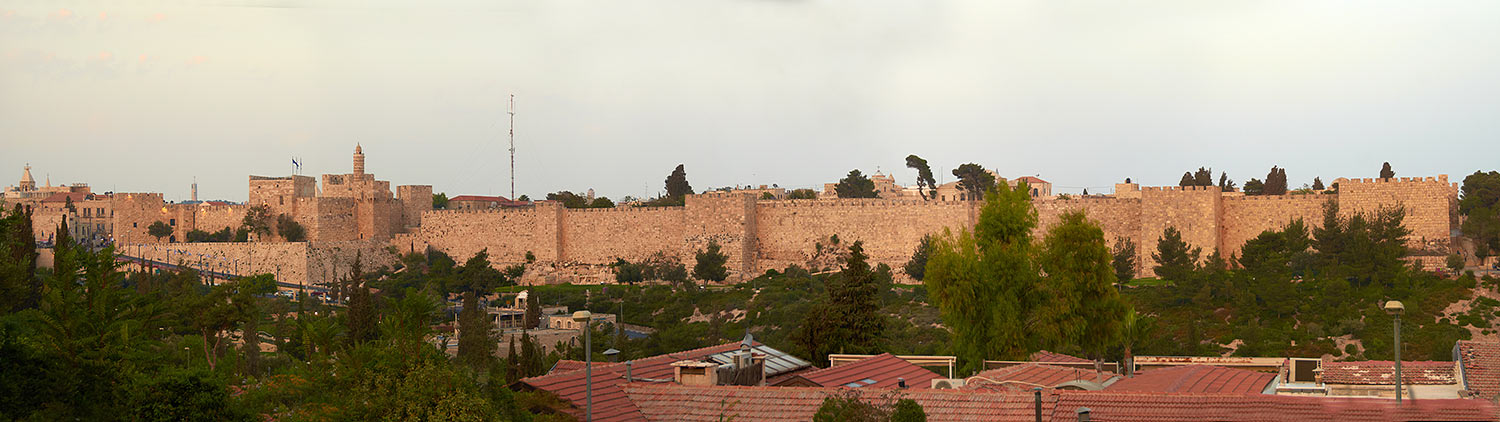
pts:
[679, 355]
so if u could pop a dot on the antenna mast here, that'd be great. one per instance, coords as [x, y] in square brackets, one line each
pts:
[512, 147]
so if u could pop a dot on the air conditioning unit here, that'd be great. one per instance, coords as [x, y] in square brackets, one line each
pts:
[947, 384]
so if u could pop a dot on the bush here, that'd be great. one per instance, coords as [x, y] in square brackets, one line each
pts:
[289, 229]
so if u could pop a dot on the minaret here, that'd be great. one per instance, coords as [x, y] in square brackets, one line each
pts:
[195, 189]
[359, 160]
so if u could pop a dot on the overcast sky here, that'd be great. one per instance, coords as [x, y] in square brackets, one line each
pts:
[146, 95]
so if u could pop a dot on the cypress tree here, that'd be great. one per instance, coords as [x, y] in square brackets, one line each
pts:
[359, 320]
[474, 345]
[512, 363]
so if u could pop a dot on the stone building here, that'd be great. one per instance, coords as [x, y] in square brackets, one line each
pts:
[353, 206]
[481, 202]
[26, 189]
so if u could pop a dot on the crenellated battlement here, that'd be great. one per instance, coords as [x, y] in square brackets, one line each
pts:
[1440, 179]
[853, 202]
[763, 234]
[1179, 188]
[1318, 197]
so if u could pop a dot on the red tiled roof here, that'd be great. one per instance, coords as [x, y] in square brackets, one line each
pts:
[1050, 357]
[879, 371]
[778, 379]
[1480, 366]
[1382, 372]
[1031, 180]
[610, 403]
[1025, 376]
[566, 365]
[672, 402]
[1111, 406]
[678, 403]
[1196, 379]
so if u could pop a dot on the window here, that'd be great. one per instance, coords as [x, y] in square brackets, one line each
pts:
[87, 212]
[172, 222]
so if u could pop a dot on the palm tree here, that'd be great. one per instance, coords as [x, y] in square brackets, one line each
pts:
[1134, 330]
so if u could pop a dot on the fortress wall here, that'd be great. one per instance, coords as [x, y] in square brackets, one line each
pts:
[1119, 217]
[787, 231]
[329, 261]
[506, 233]
[1193, 210]
[133, 213]
[599, 236]
[1431, 206]
[728, 219]
[415, 200]
[287, 260]
[211, 218]
[1246, 217]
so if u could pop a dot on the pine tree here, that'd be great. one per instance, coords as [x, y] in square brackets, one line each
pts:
[1317, 183]
[855, 304]
[1386, 172]
[855, 185]
[1124, 260]
[926, 185]
[710, 266]
[1187, 179]
[974, 180]
[1175, 259]
[360, 319]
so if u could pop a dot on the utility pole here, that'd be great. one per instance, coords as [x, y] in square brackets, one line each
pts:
[512, 112]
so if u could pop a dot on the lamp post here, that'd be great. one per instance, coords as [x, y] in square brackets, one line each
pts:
[1395, 308]
[584, 317]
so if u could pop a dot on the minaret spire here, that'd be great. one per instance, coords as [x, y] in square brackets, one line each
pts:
[359, 159]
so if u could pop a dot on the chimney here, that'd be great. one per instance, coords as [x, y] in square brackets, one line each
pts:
[1083, 414]
[694, 373]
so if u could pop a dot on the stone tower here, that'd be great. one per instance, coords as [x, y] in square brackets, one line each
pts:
[27, 183]
[359, 160]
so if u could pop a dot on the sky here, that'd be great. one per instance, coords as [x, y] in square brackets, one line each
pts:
[147, 95]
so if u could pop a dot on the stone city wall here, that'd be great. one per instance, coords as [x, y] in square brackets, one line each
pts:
[788, 231]
[1246, 217]
[601, 235]
[761, 235]
[1431, 206]
[287, 260]
[291, 262]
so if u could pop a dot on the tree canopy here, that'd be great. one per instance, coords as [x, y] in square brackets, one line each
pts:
[981, 281]
[974, 180]
[677, 183]
[855, 185]
[926, 185]
[1480, 204]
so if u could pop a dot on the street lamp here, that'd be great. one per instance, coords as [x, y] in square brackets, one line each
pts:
[1395, 308]
[588, 365]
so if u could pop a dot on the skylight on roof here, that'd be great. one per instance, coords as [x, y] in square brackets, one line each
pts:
[861, 383]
